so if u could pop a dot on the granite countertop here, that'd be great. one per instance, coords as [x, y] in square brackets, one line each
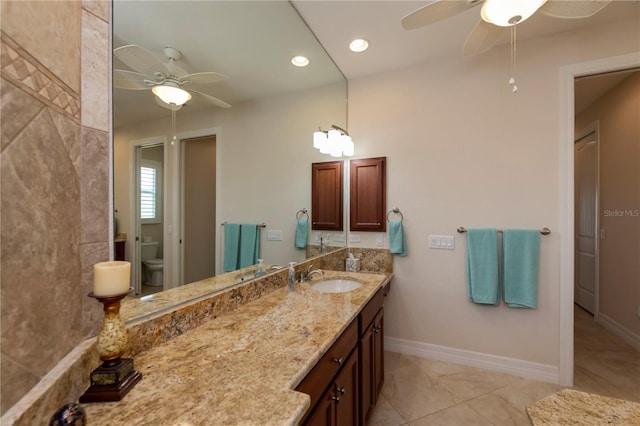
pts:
[571, 407]
[241, 368]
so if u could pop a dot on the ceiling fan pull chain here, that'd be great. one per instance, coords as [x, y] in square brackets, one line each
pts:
[512, 80]
[173, 126]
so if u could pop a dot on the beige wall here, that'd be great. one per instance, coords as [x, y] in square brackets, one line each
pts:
[54, 186]
[618, 117]
[462, 150]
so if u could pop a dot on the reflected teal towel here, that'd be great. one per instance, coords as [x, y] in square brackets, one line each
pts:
[482, 266]
[302, 229]
[249, 245]
[397, 242]
[231, 246]
[520, 264]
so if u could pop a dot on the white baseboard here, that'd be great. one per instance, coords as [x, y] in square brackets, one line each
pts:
[517, 367]
[624, 333]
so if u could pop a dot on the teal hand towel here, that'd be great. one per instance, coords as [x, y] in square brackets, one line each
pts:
[520, 264]
[231, 246]
[482, 266]
[249, 245]
[302, 230]
[397, 242]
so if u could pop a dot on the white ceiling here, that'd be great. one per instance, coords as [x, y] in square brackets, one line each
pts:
[210, 38]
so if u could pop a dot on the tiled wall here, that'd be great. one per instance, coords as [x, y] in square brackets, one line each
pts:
[54, 182]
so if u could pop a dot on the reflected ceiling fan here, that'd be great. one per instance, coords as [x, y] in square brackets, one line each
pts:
[497, 16]
[169, 82]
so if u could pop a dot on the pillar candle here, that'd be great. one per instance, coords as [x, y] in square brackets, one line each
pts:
[111, 278]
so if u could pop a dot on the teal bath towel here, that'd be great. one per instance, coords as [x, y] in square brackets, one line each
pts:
[397, 242]
[231, 246]
[302, 230]
[249, 245]
[482, 266]
[520, 264]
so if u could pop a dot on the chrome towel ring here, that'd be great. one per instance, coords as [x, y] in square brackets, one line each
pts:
[396, 211]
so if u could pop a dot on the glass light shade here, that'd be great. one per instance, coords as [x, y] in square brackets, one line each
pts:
[347, 146]
[319, 139]
[335, 150]
[502, 12]
[171, 94]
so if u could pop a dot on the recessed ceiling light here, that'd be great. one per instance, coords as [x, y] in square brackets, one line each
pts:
[359, 45]
[300, 61]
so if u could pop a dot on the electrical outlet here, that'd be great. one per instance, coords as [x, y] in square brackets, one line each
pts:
[379, 240]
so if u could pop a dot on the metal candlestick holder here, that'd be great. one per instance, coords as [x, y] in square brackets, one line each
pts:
[112, 380]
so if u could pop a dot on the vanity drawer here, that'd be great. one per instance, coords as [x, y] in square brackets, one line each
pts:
[315, 383]
[370, 311]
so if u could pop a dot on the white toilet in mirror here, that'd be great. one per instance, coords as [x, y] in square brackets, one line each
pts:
[148, 252]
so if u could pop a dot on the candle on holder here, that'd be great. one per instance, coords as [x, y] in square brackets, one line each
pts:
[111, 278]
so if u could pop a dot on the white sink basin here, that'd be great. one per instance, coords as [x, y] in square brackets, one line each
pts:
[338, 285]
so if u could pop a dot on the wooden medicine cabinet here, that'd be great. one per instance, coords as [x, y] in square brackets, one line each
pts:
[368, 194]
[326, 196]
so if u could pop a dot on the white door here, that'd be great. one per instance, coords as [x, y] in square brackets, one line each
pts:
[586, 221]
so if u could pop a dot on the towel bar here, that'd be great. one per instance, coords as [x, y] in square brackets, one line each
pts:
[260, 225]
[396, 211]
[543, 231]
[302, 212]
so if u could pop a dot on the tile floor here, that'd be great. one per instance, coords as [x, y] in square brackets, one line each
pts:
[419, 392]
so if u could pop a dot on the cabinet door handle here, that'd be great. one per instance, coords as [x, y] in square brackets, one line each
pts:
[376, 329]
[335, 398]
[340, 389]
[338, 361]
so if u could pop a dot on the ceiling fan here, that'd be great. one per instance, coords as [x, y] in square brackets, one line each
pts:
[169, 82]
[498, 15]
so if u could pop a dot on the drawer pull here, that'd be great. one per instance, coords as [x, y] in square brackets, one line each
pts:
[340, 389]
[338, 361]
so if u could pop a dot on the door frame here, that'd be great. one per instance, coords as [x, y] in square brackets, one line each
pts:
[595, 129]
[567, 76]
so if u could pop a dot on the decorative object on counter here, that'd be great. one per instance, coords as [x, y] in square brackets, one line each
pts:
[397, 241]
[335, 142]
[71, 414]
[351, 264]
[260, 271]
[112, 380]
[302, 228]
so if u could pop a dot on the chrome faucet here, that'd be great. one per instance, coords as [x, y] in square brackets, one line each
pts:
[306, 276]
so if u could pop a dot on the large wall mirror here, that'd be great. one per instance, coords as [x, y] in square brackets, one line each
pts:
[206, 165]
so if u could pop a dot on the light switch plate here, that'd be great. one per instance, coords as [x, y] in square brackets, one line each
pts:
[442, 242]
[274, 235]
[354, 238]
[379, 240]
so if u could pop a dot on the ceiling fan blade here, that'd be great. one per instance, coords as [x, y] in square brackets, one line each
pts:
[163, 104]
[140, 60]
[123, 79]
[573, 9]
[213, 100]
[482, 38]
[203, 77]
[436, 11]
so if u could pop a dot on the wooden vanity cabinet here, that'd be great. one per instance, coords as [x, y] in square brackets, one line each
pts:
[371, 349]
[344, 392]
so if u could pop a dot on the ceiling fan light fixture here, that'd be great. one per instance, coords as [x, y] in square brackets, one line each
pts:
[171, 94]
[506, 13]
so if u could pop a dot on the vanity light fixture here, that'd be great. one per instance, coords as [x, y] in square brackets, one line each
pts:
[171, 93]
[300, 61]
[335, 142]
[359, 45]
